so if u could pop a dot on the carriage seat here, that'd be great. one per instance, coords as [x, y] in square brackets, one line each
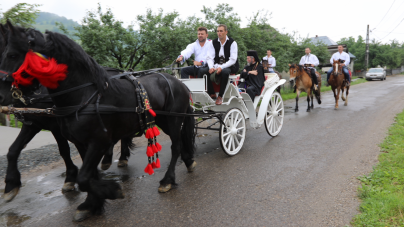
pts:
[267, 75]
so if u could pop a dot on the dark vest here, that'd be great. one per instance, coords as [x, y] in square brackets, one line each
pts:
[216, 44]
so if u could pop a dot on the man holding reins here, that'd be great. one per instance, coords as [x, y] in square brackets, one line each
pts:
[199, 49]
[310, 61]
[344, 59]
[221, 60]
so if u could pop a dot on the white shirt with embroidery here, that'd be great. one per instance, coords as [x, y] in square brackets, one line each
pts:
[199, 51]
[210, 59]
[343, 56]
[309, 59]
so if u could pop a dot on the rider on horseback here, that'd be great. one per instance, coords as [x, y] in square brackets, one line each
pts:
[271, 61]
[344, 58]
[310, 61]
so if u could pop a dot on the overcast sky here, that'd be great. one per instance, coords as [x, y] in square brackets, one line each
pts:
[335, 19]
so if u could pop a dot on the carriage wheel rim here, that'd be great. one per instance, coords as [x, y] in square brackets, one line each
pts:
[233, 132]
[275, 115]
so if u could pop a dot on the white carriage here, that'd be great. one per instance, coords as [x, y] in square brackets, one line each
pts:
[267, 109]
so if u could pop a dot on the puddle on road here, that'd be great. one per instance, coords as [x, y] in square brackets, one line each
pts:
[202, 135]
[10, 218]
[114, 176]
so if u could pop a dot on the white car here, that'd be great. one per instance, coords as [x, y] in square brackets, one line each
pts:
[376, 73]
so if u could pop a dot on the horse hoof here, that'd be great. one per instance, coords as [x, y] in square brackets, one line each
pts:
[120, 194]
[164, 188]
[296, 110]
[346, 104]
[308, 110]
[319, 101]
[11, 195]
[81, 215]
[191, 168]
[123, 163]
[105, 166]
[68, 186]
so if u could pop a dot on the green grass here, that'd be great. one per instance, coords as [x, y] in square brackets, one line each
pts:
[290, 95]
[12, 122]
[382, 191]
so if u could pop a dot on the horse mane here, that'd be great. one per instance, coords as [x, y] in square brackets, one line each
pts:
[66, 51]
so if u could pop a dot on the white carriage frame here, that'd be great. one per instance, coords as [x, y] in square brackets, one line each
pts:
[232, 98]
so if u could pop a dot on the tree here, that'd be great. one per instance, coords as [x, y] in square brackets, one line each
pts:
[22, 14]
[108, 41]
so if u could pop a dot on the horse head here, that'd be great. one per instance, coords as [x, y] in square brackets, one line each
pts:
[294, 73]
[265, 64]
[12, 55]
[337, 68]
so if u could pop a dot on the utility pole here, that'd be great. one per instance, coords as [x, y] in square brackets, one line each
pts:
[367, 50]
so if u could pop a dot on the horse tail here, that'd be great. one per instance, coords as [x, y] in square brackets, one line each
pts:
[188, 134]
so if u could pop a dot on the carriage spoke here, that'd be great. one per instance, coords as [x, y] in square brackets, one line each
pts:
[237, 141]
[226, 134]
[225, 142]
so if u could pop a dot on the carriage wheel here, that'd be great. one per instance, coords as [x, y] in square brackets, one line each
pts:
[275, 115]
[232, 132]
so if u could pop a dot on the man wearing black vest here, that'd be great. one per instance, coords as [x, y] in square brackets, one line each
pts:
[222, 60]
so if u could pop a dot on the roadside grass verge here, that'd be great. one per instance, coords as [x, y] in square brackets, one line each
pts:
[382, 191]
[290, 95]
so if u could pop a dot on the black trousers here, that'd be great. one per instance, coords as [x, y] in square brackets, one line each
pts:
[252, 91]
[313, 76]
[224, 78]
[189, 71]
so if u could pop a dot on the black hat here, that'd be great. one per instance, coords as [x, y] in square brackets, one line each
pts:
[254, 54]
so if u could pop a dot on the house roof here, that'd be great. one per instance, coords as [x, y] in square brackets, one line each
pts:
[322, 39]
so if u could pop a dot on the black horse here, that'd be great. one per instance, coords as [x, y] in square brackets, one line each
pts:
[166, 93]
[32, 125]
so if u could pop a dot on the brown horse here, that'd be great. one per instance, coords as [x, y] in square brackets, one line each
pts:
[265, 65]
[337, 81]
[303, 81]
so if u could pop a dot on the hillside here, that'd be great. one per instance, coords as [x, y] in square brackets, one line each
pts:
[46, 21]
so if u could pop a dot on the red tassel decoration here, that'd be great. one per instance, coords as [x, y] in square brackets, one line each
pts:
[149, 133]
[154, 165]
[150, 151]
[157, 163]
[36, 66]
[158, 146]
[154, 148]
[149, 169]
[152, 112]
[156, 131]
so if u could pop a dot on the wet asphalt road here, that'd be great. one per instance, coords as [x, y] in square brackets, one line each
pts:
[304, 177]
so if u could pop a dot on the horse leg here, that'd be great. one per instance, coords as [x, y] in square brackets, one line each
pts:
[13, 176]
[297, 100]
[188, 141]
[346, 100]
[342, 93]
[174, 128]
[97, 190]
[71, 169]
[126, 146]
[308, 99]
[337, 98]
[312, 100]
[107, 160]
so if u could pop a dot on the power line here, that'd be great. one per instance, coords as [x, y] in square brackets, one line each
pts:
[385, 14]
[393, 29]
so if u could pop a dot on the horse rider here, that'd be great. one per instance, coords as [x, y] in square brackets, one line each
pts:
[199, 49]
[271, 61]
[310, 61]
[344, 59]
[221, 60]
[253, 74]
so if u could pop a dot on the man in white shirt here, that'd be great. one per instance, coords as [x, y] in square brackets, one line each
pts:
[344, 58]
[310, 61]
[271, 61]
[199, 49]
[222, 60]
